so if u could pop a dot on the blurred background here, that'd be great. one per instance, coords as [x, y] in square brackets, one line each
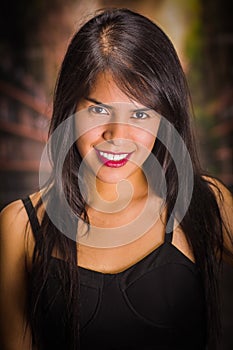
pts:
[34, 37]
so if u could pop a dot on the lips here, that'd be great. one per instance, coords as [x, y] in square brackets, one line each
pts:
[113, 160]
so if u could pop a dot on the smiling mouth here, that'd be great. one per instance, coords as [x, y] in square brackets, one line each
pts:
[113, 160]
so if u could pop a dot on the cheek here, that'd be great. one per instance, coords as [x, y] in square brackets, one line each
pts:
[145, 139]
[89, 139]
[80, 146]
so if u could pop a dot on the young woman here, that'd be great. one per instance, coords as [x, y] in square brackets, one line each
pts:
[122, 247]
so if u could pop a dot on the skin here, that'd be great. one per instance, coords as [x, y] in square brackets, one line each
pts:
[16, 253]
[126, 128]
[119, 194]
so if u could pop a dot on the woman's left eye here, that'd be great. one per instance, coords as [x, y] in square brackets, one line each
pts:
[140, 115]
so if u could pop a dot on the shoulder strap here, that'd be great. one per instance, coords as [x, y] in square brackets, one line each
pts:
[32, 216]
[169, 235]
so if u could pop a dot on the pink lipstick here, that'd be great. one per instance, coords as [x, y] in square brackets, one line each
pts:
[113, 160]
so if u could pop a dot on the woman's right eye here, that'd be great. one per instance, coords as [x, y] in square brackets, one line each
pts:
[98, 110]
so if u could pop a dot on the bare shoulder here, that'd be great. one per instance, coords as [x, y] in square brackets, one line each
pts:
[224, 199]
[16, 238]
[14, 276]
[223, 195]
[13, 218]
[13, 221]
[15, 215]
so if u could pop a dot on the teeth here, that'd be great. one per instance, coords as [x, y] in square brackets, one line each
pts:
[115, 157]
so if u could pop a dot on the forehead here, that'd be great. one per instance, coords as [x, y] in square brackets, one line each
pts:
[105, 90]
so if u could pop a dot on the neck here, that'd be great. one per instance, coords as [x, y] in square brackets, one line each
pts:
[112, 197]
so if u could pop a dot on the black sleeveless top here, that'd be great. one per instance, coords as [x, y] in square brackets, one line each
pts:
[156, 304]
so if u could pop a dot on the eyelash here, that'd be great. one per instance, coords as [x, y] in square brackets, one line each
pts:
[96, 110]
[140, 112]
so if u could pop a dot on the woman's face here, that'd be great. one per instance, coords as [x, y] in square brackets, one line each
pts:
[115, 135]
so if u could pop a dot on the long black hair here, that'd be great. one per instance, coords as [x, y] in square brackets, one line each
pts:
[145, 66]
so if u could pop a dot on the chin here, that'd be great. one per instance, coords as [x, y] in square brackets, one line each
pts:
[113, 176]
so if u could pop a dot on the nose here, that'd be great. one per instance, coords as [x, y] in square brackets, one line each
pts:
[116, 133]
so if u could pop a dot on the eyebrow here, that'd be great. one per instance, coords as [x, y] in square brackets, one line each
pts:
[98, 102]
[143, 109]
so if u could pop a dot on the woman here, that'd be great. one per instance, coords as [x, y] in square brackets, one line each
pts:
[126, 238]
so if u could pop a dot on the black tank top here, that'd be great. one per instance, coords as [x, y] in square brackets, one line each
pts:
[156, 304]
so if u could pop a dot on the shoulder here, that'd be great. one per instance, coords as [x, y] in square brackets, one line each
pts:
[13, 220]
[13, 217]
[223, 195]
[16, 239]
[14, 214]
[14, 276]
[224, 200]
